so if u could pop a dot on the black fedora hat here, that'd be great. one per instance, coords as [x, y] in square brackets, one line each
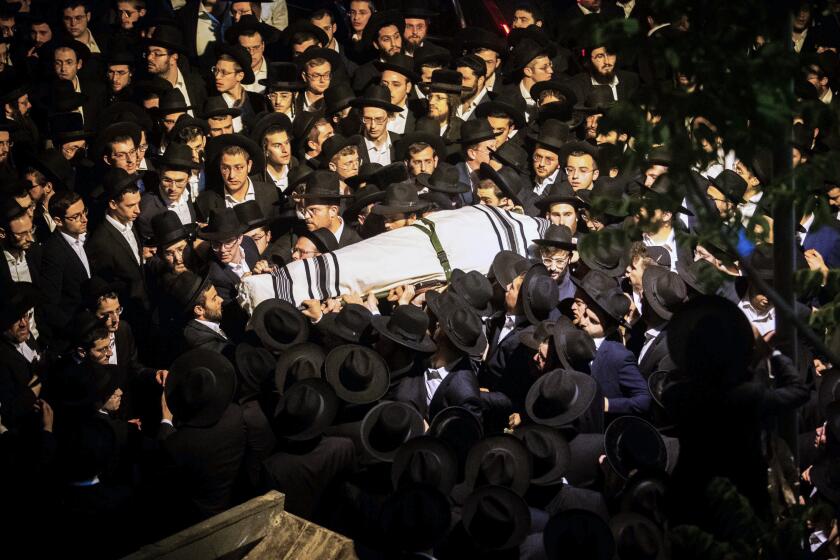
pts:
[167, 229]
[506, 266]
[731, 185]
[254, 371]
[337, 97]
[425, 460]
[553, 135]
[357, 374]
[363, 176]
[216, 106]
[120, 56]
[636, 536]
[370, 194]
[266, 121]
[352, 323]
[499, 460]
[599, 99]
[527, 50]
[610, 258]
[68, 127]
[496, 518]
[177, 157]
[305, 410]
[283, 76]
[506, 179]
[223, 225]
[412, 520]
[401, 198]
[574, 348]
[213, 150]
[250, 215]
[460, 429]
[248, 25]
[279, 324]
[534, 335]
[334, 144]
[303, 360]
[474, 38]
[577, 146]
[557, 236]
[475, 131]
[323, 239]
[550, 453]
[603, 291]
[513, 156]
[240, 55]
[664, 290]
[444, 179]
[184, 121]
[430, 54]
[123, 111]
[417, 9]
[426, 131]
[560, 193]
[445, 80]
[200, 387]
[474, 288]
[187, 288]
[115, 181]
[559, 397]
[632, 444]
[407, 327]
[166, 36]
[376, 96]
[578, 533]
[323, 184]
[152, 86]
[568, 94]
[64, 98]
[399, 63]
[172, 102]
[539, 294]
[303, 25]
[18, 298]
[389, 425]
[315, 52]
[55, 168]
[511, 105]
[464, 329]
[12, 86]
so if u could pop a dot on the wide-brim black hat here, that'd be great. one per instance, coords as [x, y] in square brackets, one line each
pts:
[19, 297]
[417, 137]
[475, 131]
[273, 313]
[413, 519]
[557, 236]
[373, 442]
[214, 146]
[504, 183]
[611, 259]
[605, 300]
[167, 229]
[287, 362]
[200, 387]
[47, 50]
[126, 111]
[560, 193]
[506, 266]
[283, 76]
[425, 455]
[550, 453]
[539, 294]
[324, 410]
[240, 55]
[527, 50]
[314, 52]
[270, 120]
[68, 127]
[445, 180]
[376, 96]
[222, 225]
[499, 104]
[186, 120]
[250, 215]
[646, 447]
[497, 498]
[166, 36]
[216, 107]
[401, 198]
[395, 333]
[584, 528]
[55, 168]
[371, 194]
[376, 384]
[64, 99]
[479, 38]
[334, 144]
[248, 25]
[170, 102]
[399, 63]
[657, 288]
[554, 85]
[543, 412]
[444, 80]
[176, 156]
[515, 454]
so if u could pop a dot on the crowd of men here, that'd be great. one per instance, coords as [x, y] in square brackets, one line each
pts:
[574, 402]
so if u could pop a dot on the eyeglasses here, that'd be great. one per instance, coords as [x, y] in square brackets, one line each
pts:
[377, 121]
[115, 313]
[24, 234]
[320, 77]
[548, 160]
[124, 156]
[223, 73]
[157, 54]
[142, 147]
[352, 164]
[304, 253]
[6, 143]
[169, 182]
[120, 73]
[216, 245]
[127, 13]
[555, 262]
[314, 209]
[71, 150]
[77, 217]
[258, 237]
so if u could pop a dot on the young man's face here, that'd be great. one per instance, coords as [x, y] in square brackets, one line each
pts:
[523, 19]
[127, 208]
[487, 196]
[481, 152]
[75, 221]
[129, 16]
[173, 184]
[235, 169]
[556, 261]
[415, 31]
[603, 62]
[261, 237]
[375, 121]
[359, 15]
[226, 250]
[220, 125]
[19, 331]
[581, 171]
[100, 353]
[278, 149]
[173, 255]
[423, 161]
[319, 216]
[158, 61]
[239, 9]
[124, 156]
[119, 75]
[512, 293]
[438, 106]
[471, 82]
[546, 162]
[40, 33]
[227, 76]
[653, 173]
[326, 25]
[586, 319]
[318, 78]
[397, 84]
[21, 234]
[212, 305]
[563, 215]
[491, 61]
[255, 46]
[304, 249]
[541, 69]
[389, 40]
[66, 64]
[722, 204]
[75, 21]
[502, 127]
[281, 101]
[109, 311]
[635, 270]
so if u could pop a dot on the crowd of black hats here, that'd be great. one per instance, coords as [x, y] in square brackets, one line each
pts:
[587, 399]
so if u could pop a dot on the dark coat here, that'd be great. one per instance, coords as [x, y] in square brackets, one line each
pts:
[826, 240]
[266, 194]
[459, 388]
[62, 275]
[33, 257]
[197, 335]
[394, 138]
[150, 206]
[628, 84]
[17, 398]
[224, 278]
[96, 94]
[207, 461]
[615, 370]
[348, 237]
[507, 368]
[187, 18]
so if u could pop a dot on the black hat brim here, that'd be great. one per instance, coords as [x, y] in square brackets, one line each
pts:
[224, 386]
[587, 387]
[425, 345]
[257, 322]
[415, 428]
[332, 370]
[611, 444]
[291, 355]
[511, 445]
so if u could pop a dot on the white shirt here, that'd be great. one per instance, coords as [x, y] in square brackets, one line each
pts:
[128, 234]
[670, 245]
[18, 267]
[182, 85]
[650, 335]
[48, 219]
[27, 352]
[540, 187]
[627, 7]
[807, 227]
[260, 73]
[529, 101]
[465, 114]
[827, 97]
[231, 102]
[215, 327]
[598, 342]
[77, 87]
[434, 377]
[799, 40]
[510, 323]
[230, 202]
[307, 106]
[112, 344]
[749, 207]
[764, 323]
[613, 85]
[378, 155]
[205, 31]
[337, 233]
[78, 246]
[240, 268]
[282, 182]
[91, 44]
[397, 121]
[181, 207]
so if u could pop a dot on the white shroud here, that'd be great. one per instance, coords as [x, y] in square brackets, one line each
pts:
[471, 237]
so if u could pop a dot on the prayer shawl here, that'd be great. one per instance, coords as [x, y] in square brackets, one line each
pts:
[470, 236]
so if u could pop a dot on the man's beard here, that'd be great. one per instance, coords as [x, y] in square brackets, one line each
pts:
[468, 95]
[604, 79]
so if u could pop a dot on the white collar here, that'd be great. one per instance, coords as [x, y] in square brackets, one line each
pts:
[213, 326]
[657, 28]
[340, 229]
[249, 195]
[11, 259]
[179, 79]
[119, 226]
[371, 145]
[74, 240]
[185, 196]
[525, 93]
[598, 341]
[808, 223]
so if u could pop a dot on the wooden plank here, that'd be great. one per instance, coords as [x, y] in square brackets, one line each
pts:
[294, 538]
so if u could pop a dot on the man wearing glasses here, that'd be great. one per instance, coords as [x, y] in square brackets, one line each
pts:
[376, 108]
[22, 256]
[320, 207]
[252, 35]
[317, 67]
[232, 73]
[163, 50]
[556, 250]
[174, 170]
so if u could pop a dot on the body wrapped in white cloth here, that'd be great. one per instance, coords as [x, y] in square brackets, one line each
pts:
[471, 237]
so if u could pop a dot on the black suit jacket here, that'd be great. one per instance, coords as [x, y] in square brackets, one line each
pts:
[266, 194]
[460, 388]
[112, 258]
[348, 236]
[150, 206]
[224, 279]
[187, 18]
[16, 397]
[33, 257]
[197, 335]
[394, 139]
[628, 84]
[196, 86]
[96, 93]
[655, 355]
[62, 274]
